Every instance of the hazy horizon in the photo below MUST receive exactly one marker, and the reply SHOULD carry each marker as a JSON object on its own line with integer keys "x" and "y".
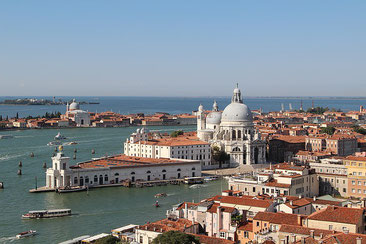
{"x": 188, "y": 48}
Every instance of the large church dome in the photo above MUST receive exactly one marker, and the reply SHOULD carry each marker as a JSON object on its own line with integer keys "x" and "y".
{"x": 213, "y": 118}
{"x": 237, "y": 111}
{"x": 74, "y": 105}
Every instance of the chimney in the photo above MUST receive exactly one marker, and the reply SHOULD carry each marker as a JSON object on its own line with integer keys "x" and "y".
{"x": 154, "y": 228}
{"x": 314, "y": 198}
{"x": 321, "y": 235}
{"x": 185, "y": 210}
{"x": 293, "y": 239}
{"x": 312, "y": 233}
{"x": 291, "y": 202}
{"x": 299, "y": 220}
{"x": 302, "y": 240}
{"x": 358, "y": 240}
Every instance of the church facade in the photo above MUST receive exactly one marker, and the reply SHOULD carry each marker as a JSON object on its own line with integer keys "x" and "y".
{"x": 232, "y": 130}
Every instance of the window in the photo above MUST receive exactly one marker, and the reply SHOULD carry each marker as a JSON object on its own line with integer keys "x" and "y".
{"x": 86, "y": 179}
{"x": 359, "y": 191}
{"x": 246, "y": 234}
{"x": 222, "y": 234}
{"x": 95, "y": 178}
{"x": 257, "y": 223}
{"x": 105, "y": 177}
{"x": 359, "y": 183}
{"x": 353, "y": 191}
{"x": 353, "y": 182}
{"x": 330, "y": 227}
{"x": 75, "y": 180}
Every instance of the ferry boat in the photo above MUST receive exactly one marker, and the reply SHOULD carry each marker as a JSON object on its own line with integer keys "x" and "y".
{"x": 40, "y": 214}
{"x": 59, "y": 137}
{"x": 6, "y": 136}
{"x": 26, "y": 234}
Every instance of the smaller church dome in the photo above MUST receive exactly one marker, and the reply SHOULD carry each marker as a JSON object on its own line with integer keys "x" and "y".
{"x": 213, "y": 118}
{"x": 74, "y": 105}
{"x": 237, "y": 112}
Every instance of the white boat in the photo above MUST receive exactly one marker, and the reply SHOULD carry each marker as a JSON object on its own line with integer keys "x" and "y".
{"x": 54, "y": 143}
{"x": 210, "y": 178}
{"x": 59, "y": 137}
{"x": 26, "y": 234}
{"x": 193, "y": 180}
{"x": 6, "y": 136}
{"x": 40, "y": 214}
{"x": 70, "y": 189}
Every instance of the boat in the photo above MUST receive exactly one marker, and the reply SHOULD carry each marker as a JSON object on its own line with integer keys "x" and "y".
{"x": 6, "y": 136}
{"x": 157, "y": 204}
{"x": 72, "y": 143}
{"x": 26, "y": 234}
{"x": 54, "y": 143}
{"x": 59, "y": 137}
{"x": 40, "y": 214}
{"x": 160, "y": 195}
{"x": 68, "y": 189}
{"x": 193, "y": 180}
{"x": 210, "y": 178}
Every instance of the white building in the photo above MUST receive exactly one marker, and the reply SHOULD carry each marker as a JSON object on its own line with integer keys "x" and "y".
{"x": 74, "y": 113}
{"x": 181, "y": 147}
{"x": 233, "y": 131}
{"x": 116, "y": 169}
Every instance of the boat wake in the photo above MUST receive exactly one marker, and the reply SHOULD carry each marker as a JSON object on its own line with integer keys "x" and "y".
{"x": 7, "y": 156}
{"x": 7, "y": 239}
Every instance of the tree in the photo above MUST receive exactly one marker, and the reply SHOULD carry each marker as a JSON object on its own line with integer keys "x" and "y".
{"x": 17, "y": 116}
{"x": 219, "y": 155}
{"x": 1, "y": 117}
{"x": 317, "y": 110}
{"x": 176, "y": 133}
{"x": 328, "y": 130}
{"x": 109, "y": 240}
{"x": 359, "y": 129}
{"x": 175, "y": 237}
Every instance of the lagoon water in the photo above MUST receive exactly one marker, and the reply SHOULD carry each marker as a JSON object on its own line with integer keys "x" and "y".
{"x": 98, "y": 211}
{"x": 176, "y": 105}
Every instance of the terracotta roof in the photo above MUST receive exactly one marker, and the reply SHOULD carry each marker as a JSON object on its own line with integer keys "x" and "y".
{"x": 248, "y": 226}
{"x": 165, "y": 225}
{"x": 338, "y": 214}
{"x": 278, "y": 218}
{"x": 298, "y": 203}
{"x": 354, "y": 158}
{"x": 344, "y": 238}
{"x": 302, "y": 230}
{"x": 122, "y": 160}
{"x": 243, "y": 201}
{"x": 215, "y": 206}
{"x": 274, "y": 183}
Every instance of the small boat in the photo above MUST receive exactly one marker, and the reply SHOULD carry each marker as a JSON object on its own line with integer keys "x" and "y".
{"x": 72, "y": 143}
{"x": 59, "y": 137}
{"x": 40, "y": 214}
{"x": 68, "y": 189}
{"x": 54, "y": 143}
{"x": 26, "y": 234}
{"x": 193, "y": 180}
{"x": 157, "y": 204}
{"x": 6, "y": 136}
{"x": 210, "y": 178}
{"x": 160, "y": 195}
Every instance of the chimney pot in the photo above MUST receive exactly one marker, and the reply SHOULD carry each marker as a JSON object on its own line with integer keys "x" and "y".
{"x": 358, "y": 240}
{"x": 312, "y": 233}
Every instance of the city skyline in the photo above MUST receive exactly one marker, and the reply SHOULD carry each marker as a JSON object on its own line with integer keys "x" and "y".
{"x": 89, "y": 48}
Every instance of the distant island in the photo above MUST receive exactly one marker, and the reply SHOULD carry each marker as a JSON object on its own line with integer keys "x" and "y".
{"x": 34, "y": 101}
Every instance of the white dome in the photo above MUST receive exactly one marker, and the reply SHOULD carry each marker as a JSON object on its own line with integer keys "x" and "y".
{"x": 213, "y": 118}
{"x": 74, "y": 105}
{"x": 237, "y": 112}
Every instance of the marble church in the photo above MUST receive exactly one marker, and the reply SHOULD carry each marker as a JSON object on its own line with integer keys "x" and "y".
{"x": 233, "y": 131}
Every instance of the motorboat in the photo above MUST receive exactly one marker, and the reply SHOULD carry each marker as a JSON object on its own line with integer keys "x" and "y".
{"x": 54, "y": 143}
{"x": 68, "y": 189}
{"x": 72, "y": 143}
{"x": 59, "y": 137}
{"x": 6, "y": 136}
{"x": 210, "y": 178}
{"x": 160, "y": 195}
{"x": 40, "y": 214}
{"x": 193, "y": 180}
{"x": 156, "y": 204}
{"x": 26, "y": 234}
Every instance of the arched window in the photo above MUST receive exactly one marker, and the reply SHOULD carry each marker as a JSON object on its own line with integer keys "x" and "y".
{"x": 236, "y": 149}
{"x": 148, "y": 172}
{"x": 178, "y": 170}
{"x": 86, "y": 179}
{"x": 105, "y": 177}
{"x": 132, "y": 173}
{"x": 75, "y": 180}
{"x": 233, "y": 134}
{"x": 116, "y": 174}
{"x": 95, "y": 178}
{"x": 164, "y": 171}
{"x": 193, "y": 168}
{"x": 239, "y": 134}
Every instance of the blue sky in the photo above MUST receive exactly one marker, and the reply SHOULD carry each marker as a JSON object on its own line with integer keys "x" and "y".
{"x": 182, "y": 48}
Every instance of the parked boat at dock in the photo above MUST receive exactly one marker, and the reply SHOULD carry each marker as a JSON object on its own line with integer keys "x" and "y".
{"x": 69, "y": 189}
{"x": 26, "y": 234}
{"x": 40, "y": 214}
{"x": 193, "y": 180}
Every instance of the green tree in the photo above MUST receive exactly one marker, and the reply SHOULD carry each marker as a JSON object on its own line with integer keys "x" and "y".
{"x": 17, "y": 116}
{"x": 328, "y": 130}
{"x": 1, "y": 117}
{"x": 175, "y": 237}
{"x": 176, "y": 133}
{"x": 317, "y": 110}
{"x": 109, "y": 240}
{"x": 359, "y": 129}
{"x": 219, "y": 155}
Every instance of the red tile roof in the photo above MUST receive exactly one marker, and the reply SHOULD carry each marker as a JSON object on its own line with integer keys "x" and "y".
{"x": 278, "y": 218}
{"x": 338, "y": 214}
{"x": 243, "y": 201}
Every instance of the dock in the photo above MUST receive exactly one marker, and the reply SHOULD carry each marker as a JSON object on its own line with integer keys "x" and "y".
{"x": 132, "y": 184}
